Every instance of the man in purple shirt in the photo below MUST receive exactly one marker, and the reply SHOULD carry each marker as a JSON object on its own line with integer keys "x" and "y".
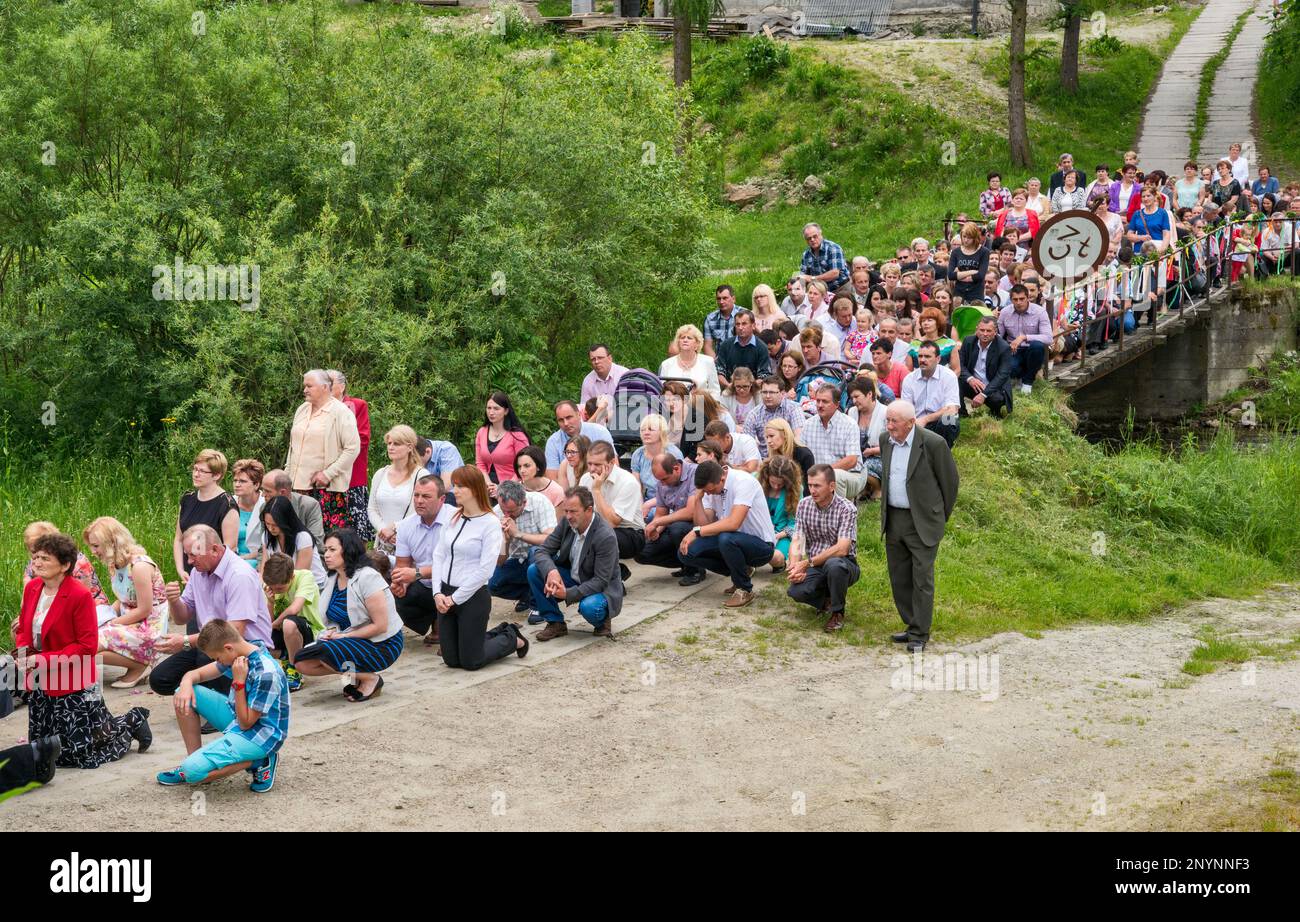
{"x": 604, "y": 374}
{"x": 221, "y": 587}
{"x": 1028, "y": 332}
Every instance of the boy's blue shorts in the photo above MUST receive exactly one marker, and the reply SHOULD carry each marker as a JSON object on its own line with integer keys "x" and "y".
{"x": 229, "y": 749}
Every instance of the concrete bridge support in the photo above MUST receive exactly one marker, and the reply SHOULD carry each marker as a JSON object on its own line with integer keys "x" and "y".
{"x": 1211, "y": 357}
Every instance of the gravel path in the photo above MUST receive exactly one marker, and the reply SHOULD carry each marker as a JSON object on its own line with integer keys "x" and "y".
{"x": 678, "y": 723}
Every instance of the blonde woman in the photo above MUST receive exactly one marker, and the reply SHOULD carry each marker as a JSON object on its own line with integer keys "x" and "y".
{"x": 207, "y": 504}
{"x": 767, "y": 314}
{"x": 654, "y": 442}
{"x": 690, "y": 362}
{"x": 781, "y": 441}
{"x": 393, "y": 486}
{"x": 140, "y": 611}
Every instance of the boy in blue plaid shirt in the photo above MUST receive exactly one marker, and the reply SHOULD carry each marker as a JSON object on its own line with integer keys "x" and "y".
{"x": 254, "y": 715}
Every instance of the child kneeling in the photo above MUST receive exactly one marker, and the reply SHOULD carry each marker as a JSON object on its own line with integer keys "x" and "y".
{"x": 254, "y": 714}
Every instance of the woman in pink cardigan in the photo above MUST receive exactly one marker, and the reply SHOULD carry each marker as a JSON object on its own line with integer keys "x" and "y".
{"x": 499, "y": 439}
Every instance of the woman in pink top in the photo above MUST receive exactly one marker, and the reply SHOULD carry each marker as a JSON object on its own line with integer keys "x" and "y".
{"x": 499, "y": 439}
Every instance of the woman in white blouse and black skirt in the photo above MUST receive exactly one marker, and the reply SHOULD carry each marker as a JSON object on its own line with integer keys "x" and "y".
{"x": 463, "y": 562}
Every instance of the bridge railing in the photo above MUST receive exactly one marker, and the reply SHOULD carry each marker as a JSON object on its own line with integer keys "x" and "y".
{"x": 1187, "y": 273}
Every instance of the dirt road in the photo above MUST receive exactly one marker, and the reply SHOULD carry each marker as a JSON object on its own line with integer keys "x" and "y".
{"x": 678, "y": 723}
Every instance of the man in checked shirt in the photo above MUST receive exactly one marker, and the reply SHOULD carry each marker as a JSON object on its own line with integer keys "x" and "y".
{"x": 822, "y": 575}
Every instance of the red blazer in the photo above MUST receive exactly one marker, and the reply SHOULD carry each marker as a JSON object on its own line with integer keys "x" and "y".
{"x": 69, "y": 638}
{"x": 503, "y": 459}
{"x": 361, "y": 410}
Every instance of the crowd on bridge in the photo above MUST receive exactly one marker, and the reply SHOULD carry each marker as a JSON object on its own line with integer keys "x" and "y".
{"x": 770, "y": 426}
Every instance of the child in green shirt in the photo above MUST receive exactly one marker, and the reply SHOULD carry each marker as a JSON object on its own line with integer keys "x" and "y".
{"x": 295, "y": 609}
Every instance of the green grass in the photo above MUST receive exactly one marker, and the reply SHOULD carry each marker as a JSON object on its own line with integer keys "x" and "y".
{"x": 1266, "y": 803}
{"x": 555, "y": 7}
{"x": 1050, "y": 531}
{"x": 1207, "y": 80}
{"x": 1214, "y": 650}
{"x": 1276, "y": 92}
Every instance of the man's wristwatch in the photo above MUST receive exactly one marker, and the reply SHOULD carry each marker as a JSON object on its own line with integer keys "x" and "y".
{"x": 185, "y": 641}
{"x": 696, "y": 529}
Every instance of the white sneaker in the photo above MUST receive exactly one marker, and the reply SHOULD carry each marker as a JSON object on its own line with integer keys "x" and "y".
{"x": 1026, "y": 388}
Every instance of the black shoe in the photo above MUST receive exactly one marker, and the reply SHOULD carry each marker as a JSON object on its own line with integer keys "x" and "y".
{"x": 523, "y": 605}
{"x": 692, "y": 579}
{"x": 900, "y": 637}
{"x": 142, "y": 734}
{"x": 677, "y": 574}
{"x": 916, "y": 646}
{"x": 46, "y": 752}
{"x": 624, "y": 572}
{"x": 520, "y": 652}
{"x": 208, "y": 728}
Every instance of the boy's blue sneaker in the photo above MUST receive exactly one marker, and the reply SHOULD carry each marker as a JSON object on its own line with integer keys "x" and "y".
{"x": 171, "y": 778}
{"x": 295, "y": 680}
{"x": 264, "y": 776}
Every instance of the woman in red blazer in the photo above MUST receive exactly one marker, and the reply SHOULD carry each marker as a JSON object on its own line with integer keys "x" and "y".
{"x": 501, "y": 437}
{"x": 358, "y": 496}
{"x": 57, "y": 639}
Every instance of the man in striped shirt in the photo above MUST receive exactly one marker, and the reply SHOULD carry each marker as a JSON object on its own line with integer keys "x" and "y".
{"x": 828, "y": 565}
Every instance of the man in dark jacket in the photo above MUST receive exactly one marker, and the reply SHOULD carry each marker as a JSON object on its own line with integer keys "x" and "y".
{"x": 985, "y": 376}
{"x": 577, "y": 564}
{"x": 919, "y": 489}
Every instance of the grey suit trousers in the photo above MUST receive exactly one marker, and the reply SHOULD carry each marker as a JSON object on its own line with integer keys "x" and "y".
{"x": 911, "y": 573}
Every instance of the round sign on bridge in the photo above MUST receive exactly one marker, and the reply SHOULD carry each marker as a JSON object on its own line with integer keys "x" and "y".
{"x": 1070, "y": 245}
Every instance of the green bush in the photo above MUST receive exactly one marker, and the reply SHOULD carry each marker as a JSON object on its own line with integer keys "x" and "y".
{"x": 764, "y": 57}
{"x": 438, "y": 215}
{"x": 1103, "y": 46}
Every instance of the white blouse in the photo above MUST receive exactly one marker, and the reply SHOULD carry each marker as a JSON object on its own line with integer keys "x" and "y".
{"x": 390, "y": 504}
{"x": 467, "y": 554}
{"x": 704, "y": 372}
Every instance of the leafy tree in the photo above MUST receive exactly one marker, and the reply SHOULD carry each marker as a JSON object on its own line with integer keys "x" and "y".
{"x": 438, "y": 215}
{"x": 689, "y": 15}
{"x": 1018, "y": 127}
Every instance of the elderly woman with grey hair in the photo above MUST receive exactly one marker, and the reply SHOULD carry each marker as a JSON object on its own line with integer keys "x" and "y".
{"x": 323, "y": 446}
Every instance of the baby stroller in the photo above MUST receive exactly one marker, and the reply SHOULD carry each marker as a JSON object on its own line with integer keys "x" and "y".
{"x": 639, "y": 394}
{"x": 836, "y": 373}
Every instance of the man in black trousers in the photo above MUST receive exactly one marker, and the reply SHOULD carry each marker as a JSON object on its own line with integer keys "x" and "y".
{"x": 985, "y": 376}
{"x": 918, "y": 490}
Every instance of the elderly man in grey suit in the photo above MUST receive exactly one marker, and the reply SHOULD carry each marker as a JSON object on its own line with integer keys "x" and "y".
{"x": 919, "y": 489}
{"x": 577, "y": 563}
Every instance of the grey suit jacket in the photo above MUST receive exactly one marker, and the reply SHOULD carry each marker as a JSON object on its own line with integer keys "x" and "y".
{"x": 596, "y": 572}
{"x": 931, "y": 483}
{"x": 308, "y": 510}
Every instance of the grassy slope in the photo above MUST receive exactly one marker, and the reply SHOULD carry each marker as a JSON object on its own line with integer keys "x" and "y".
{"x": 804, "y": 121}
{"x": 1276, "y": 114}
{"x": 1049, "y": 531}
